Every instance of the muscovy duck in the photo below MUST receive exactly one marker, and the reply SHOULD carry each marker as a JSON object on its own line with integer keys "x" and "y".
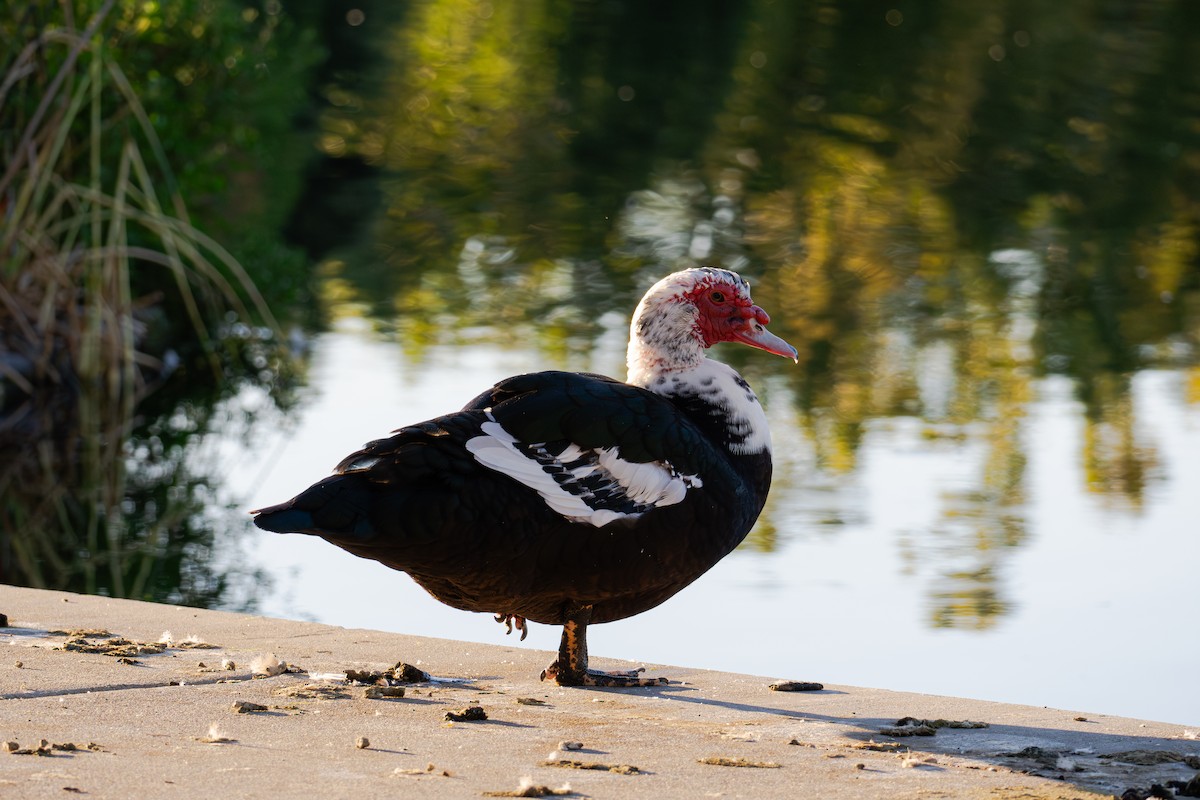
{"x": 571, "y": 499}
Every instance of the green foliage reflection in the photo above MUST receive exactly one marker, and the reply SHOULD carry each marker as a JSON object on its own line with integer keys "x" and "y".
{"x": 941, "y": 203}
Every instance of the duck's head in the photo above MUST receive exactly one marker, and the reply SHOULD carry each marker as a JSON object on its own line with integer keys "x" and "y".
{"x": 687, "y": 312}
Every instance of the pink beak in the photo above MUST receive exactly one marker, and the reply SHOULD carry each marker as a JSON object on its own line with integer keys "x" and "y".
{"x": 755, "y": 334}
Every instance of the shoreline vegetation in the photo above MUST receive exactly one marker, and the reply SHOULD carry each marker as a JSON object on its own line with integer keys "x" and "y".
{"x": 110, "y": 288}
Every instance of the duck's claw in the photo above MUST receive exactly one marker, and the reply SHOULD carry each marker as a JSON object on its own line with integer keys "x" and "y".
{"x": 513, "y": 621}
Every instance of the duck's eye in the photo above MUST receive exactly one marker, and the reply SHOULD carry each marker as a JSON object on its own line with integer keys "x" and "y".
{"x": 717, "y": 297}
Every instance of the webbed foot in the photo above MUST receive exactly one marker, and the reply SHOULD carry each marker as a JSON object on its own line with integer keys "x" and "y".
{"x": 596, "y": 677}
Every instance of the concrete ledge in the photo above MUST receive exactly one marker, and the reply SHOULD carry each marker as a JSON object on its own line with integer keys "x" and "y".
{"x": 148, "y": 722}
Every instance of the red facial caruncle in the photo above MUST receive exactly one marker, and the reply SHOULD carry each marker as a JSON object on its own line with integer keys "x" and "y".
{"x": 727, "y": 314}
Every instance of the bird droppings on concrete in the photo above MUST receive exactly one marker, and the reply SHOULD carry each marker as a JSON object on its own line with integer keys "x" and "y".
{"x": 189, "y": 642}
{"x": 881, "y": 747}
{"x": 246, "y": 707}
{"x": 911, "y": 726}
{"x": 402, "y": 672}
{"x": 796, "y": 686}
{"x": 102, "y": 641}
{"x": 1067, "y": 764}
{"x": 942, "y": 723}
{"x": 267, "y": 665}
{"x": 410, "y": 674}
{"x": 291, "y": 710}
{"x": 908, "y": 730}
{"x": 468, "y": 714}
{"x": 567, "y": 763}
{"x": 1148, "y": 758}
{"x": 1167, "y": 789}
{"x": 1115, "y": 770}
{"x": 82, "y": 633}
{"x": 557, "y": 753}
{"x": 110, "y": 645}
{"x": 1039, "y": 755}
{"x": 430, "y": 769}
{"x": 226, "y": 665}
{"x": 45, "y": 748}
{"x": 723, "y": 761}
{"x": 527, "y": 788}
{"x": 215, "y": 736}
{"x": 313, "y": 691}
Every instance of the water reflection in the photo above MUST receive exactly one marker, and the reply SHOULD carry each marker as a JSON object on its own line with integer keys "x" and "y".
{"x": 102, "y": 500}
{"x": 939, "y": 205}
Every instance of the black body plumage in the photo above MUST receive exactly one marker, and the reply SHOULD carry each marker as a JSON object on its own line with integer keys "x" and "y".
{"x": 480, "y": 540}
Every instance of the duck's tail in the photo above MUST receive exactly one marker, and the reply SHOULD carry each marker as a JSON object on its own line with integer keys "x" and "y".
{"x": 334, "y": 508}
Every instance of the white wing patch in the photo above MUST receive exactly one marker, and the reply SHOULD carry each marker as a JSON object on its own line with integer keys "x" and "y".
{"x": 595, "y": 486}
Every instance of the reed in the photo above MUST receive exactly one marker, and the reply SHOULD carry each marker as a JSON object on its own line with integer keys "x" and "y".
{"x": 88, "y": 213}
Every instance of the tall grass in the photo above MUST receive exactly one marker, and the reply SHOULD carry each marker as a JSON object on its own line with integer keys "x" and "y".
{"x": 89, "y": 217}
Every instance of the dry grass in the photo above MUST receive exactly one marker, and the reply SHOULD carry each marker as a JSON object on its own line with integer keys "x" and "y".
{"x": 76, "y": 233}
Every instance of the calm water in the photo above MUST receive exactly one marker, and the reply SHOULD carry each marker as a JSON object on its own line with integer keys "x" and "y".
{"x": 979, "y": 225}
{"x": 890, "y": 574}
